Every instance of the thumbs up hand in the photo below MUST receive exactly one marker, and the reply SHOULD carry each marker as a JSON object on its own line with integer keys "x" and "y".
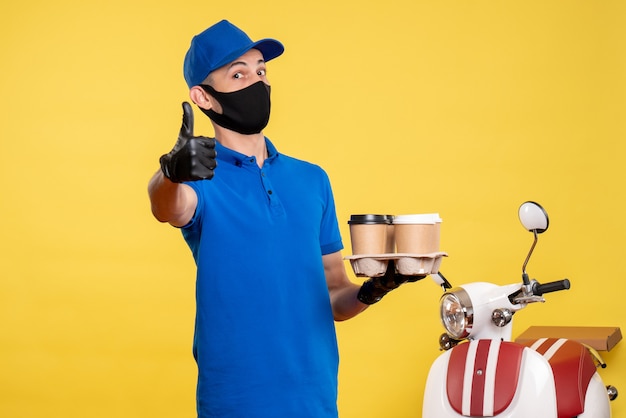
{"x": 193, "y": 157}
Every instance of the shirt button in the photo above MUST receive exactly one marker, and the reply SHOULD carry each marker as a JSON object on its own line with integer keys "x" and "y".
{"x": 269, "y": 192}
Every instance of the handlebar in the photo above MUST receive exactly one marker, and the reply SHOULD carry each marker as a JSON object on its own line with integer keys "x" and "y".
{"x": 533, "y": 291}
{"x": 540, "y": 289}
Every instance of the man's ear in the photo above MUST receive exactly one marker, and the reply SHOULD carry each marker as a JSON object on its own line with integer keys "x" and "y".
{"x": 200, "y": 97}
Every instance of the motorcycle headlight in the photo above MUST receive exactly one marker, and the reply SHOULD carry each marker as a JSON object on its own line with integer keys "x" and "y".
{"x": 457, "y": 313}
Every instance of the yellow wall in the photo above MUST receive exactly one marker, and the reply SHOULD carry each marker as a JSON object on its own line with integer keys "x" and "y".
{"x": 466, "y": 108}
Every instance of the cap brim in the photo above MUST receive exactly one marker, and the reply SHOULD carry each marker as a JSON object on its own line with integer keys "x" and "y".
{"x": 269, "y": 48}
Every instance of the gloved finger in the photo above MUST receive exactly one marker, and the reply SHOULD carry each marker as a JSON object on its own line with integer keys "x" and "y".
{"x": 186, "y": 129}
{"x": 202, "y": 173}
{"x": 391, "y": 269}
{"x": 206, "y": 147}
{"x": 207, "y": 161}
{"x": 201, "y": 151}
{"x": 207, "y": 143}
{"x": 413, "y": 279}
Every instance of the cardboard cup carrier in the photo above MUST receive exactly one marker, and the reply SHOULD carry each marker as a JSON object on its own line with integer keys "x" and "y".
{"x": 412, "y": 241}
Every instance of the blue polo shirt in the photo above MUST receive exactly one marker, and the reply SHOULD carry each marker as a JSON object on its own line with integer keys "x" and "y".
{"x": 265, "y": 338}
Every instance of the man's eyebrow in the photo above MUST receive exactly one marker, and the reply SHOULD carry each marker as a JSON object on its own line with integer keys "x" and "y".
{"x": 234, "y": 63}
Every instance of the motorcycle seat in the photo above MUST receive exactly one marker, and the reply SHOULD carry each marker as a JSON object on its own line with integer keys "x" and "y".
{"x": 487, "y": 384}
{"x": 573, "y": 369}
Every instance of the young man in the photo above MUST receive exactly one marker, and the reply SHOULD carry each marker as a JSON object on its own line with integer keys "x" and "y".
{"x": 264, "y": 235}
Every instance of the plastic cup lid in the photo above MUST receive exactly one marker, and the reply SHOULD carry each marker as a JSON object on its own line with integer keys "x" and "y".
{"x": 423, "y": 218}
{"x": 370, "y": 219}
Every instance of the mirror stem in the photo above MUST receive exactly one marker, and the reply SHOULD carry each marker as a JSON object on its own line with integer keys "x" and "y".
{"x": 524, "y": 275}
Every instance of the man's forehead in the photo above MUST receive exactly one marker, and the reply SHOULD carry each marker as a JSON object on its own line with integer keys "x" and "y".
{"x": 252, "y": 57}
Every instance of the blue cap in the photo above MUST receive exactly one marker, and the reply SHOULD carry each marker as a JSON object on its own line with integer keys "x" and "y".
{"x": 219, "y": 45}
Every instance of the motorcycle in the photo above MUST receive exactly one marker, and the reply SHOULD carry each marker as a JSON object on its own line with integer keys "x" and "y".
{"x": 483, "y": 373}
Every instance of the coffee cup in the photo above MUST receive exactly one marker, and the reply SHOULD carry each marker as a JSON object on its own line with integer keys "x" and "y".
{"x": 369, "y": 234}
{"x": 417, "y": 233}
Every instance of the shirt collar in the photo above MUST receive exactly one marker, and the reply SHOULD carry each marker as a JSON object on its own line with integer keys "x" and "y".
{"x": 233, "y": 157}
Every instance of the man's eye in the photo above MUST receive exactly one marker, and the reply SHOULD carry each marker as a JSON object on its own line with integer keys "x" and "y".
{"x": 261, "y": 72}
{"x": 237, "y": 75}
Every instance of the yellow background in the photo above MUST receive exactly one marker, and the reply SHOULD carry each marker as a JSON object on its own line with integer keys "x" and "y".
{"x": 466, "y": 108}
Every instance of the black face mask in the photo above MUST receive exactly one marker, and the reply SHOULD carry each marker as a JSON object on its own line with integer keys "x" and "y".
{"x": 246, "y": 111}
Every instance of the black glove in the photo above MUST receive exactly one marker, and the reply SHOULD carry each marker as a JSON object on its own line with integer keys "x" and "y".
{"x": 193, "y": 157}
{"x": 375, "y": 288}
